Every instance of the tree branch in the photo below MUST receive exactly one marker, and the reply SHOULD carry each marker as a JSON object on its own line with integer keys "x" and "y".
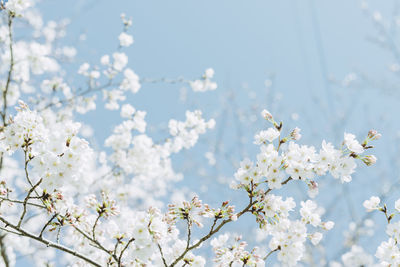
{"x": 49, "y": 243}
{"x": 213, "y": 231}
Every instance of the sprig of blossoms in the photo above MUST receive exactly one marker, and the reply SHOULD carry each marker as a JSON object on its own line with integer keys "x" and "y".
{"x": 233, "y": 252}
{"x": 186, "y": 211}
{"x": 288, "y": 236}
{"x": 388, "y": 252}
{"x": 205, "y": 83}
{"x": 276, "y": 165}
{"x": 186, "y": 133}
{"x": 225, "y": 211}
{"x": 25, "y": 129}
{"x": 17, "y": 6}
{"x": 105, "y": 208}
{"x": 125, "y": 39}
{"x": 300, "y": 162}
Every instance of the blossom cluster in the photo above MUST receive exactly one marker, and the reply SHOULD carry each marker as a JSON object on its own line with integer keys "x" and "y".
{"x": 204, "y": 84}
{"x": 234, "y": 253}
{"x": 388, "y": 251}
{"x": 57, "y": 156}
{"x": 300, "y": 162}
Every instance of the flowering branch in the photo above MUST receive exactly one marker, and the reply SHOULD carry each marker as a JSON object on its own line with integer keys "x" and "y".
{"x": 213, "y": 230}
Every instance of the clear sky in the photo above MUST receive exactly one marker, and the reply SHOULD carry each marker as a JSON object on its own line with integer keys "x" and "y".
{"x": 302, "y": 43}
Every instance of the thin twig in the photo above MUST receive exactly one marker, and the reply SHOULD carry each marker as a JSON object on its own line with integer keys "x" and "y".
{"x": 94, "y": 226}
{"x": 272, "y": 251}
{"x": 162, "y": 255}
{"x": 189, "y": 233}
{"x": 26, "y": 201}
{"x": 22, "y": 202}
{"x": 96, "y": 242}
{"x": 123, "y": 250}
{"x": 47, "y": 224}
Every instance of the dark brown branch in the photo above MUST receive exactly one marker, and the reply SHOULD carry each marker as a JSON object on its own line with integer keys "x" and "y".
{"x": 47, "y": 224}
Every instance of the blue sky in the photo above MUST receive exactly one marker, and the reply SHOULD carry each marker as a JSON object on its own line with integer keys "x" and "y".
{"x": 300, "y": 42}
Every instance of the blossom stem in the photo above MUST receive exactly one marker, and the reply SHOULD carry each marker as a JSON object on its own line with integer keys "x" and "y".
{"x": 189, "y": 233}
{"x": 21, "y": 202}
{"x": 123, "y": 250}
{"x": 26, "y": 201}
{"x": 47, "y": 224}
{"x": 162, "y": 255}
{"x": 96, "y": 242}
{"x": 272, "y": 251}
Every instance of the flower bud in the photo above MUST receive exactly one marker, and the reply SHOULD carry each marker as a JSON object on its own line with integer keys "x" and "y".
{"x": 374, "y": 135}
{"x": 369, "y": 160}
{"x": 327, "y": 225}
{"x": 316, "y": 238}
{"x": 295, "y": 134}
{"x": 313, "y": 189}
{"x": 266, "y": 115}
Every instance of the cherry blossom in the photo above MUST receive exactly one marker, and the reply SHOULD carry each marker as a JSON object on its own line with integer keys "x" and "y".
{"x": 65, "y": 198}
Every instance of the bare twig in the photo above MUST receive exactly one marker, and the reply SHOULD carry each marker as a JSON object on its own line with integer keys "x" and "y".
{"x": 123, "y": 250}
{"x": 162, "y": 255}
{"x": 272, "y": 251}
{"x": 96, "y": 242}
{"x": 189, "y": 233}
{"x": 47, "y": 224}
{"x": 26, "y": 201}
{"x": 22, "y": 202}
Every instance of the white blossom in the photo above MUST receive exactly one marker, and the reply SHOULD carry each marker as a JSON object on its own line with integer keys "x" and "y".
{"x": 125, "y": 39}
{"x": 372, "y": 203}
{"x": 269, "y": 135}
{"x": 352, "y": 144}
